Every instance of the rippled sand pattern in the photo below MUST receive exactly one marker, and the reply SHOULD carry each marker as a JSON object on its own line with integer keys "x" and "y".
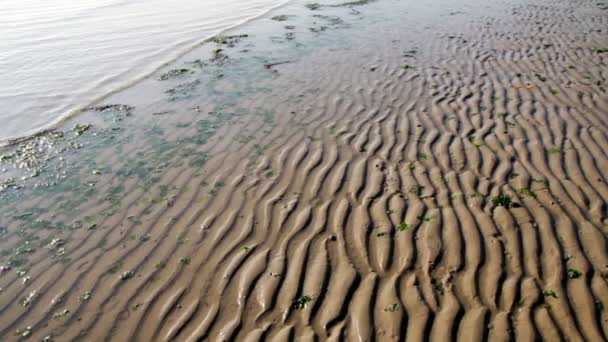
{"x": 364, "y": 210}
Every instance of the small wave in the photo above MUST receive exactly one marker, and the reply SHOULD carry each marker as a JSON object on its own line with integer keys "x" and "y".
{"x": 126, "y": 78}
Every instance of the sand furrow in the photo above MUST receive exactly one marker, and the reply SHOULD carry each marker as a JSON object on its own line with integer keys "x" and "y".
{"x": 348, "y": 192}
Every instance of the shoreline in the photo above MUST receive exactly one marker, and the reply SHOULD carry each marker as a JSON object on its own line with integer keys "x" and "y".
{"x": 98, "y": 99}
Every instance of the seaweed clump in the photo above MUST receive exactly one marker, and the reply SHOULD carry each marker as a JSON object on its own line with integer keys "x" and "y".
{"x": 230, "y": 41}
{"x": 502, "y": 201}
{"x": 281, "y": 17}
{"x": 173, "y": 74}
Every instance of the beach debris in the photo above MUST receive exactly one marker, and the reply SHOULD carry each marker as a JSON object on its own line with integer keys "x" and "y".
{"x": 302, "y": 302}
{"x": 171, "y": 200}
{"x": 55, "y": 243}
{"x": 410, "y": 53}
{"x": 471, "y": 139}
{"x": 443, "y": 179}
{"x": 502, "y": 201}
{"x": 80, "y": 129}
{"x": 313, "y": 6}
{"x": 165, "y": 112}
{"x": 331, "y": 20}
{"x": 230, "y": 41}
{"x": 43, "y": 152}
{"x": 185, "y": 260}
{"x": 182, "y": 240}
{"x": 352, "y": 3}
{"x": 183, "y": 90}
{"x": 127, "y": 275}
{"x": 549, "y": 293}
{"x": 425, "y": 218}
{"x": 86, "y": 296}
{"x": 404, "y": 226}
{"x": 174, "y": 74}
{"x": 416, "y": 190}
{"x": 116, "y": 267}
{"x": 8, "y": 184}
{"x": 25, "y": 332}
{"x": 218, "y": 56}
{"x": 56, "y": 246}
{"x": 527, "y": 192}
{"x": 269, "y": 66}
{"x": 216, "y": 186}
{"x": 140, "y": 237}
{"x": 119, "y": 108}
{"x": 437, "y": 286}
{"x": 556, "y": 150}
{"x": 540, "y": 77}
{"x": 6, "y": 156}
{"x": 60, "y": 314}
{"x": 28, "y": 299}
{"x": 198, "y": 63}
{"x": 24, "y": 248}
{"x": 244, "y": 139}
{"x": 600, "y": 50}
{"x": 47, "y": 338}
{"x": 523, "y": 86}
{"x": 281, "y": 17}
{"x": 34, "y": 153}
{"x": 544, "y": 182}
{"x": 573, "y": 273}
{"x": 392, "y": 307}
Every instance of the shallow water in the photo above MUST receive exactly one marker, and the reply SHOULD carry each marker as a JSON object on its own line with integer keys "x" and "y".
{"x": 58, "y": 56}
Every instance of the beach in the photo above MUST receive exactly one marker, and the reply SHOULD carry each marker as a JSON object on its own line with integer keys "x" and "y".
{"x": 335, "y": 171}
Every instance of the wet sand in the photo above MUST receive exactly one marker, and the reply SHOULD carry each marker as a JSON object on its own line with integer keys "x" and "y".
{"x": 363, "y": 171}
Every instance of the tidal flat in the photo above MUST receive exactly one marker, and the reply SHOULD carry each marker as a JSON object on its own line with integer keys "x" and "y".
{"x": 361, "y": 170}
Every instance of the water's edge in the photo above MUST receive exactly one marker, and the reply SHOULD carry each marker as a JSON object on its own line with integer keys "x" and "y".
{"x": 12, "y": 140}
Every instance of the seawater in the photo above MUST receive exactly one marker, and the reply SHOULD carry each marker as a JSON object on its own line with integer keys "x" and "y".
{"x": 57, "y": 56}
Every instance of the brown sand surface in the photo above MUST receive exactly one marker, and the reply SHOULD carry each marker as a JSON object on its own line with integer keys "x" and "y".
{"x": 363, "y": 171}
